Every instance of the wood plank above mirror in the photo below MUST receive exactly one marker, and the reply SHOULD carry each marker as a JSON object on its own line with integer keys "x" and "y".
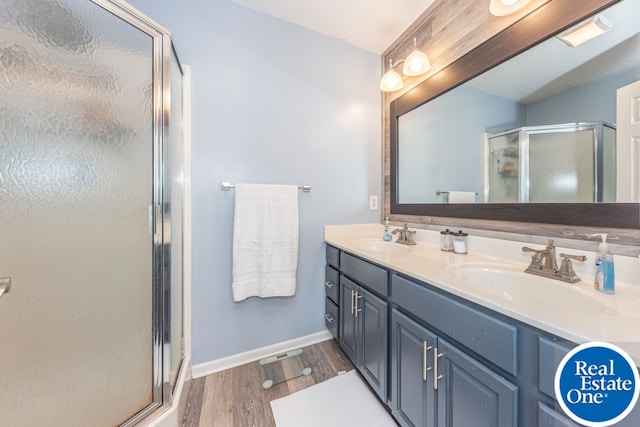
{"x": 485, "y": 49}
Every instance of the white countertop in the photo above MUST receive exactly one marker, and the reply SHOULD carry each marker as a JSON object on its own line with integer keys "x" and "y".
{"x": 615, "y": 318}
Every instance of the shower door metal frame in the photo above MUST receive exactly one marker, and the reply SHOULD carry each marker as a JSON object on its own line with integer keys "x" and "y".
{"x": 167, "y": 388}
{"x": 162, "y": 46}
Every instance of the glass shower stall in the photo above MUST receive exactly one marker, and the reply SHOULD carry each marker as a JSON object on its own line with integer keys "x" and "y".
{"x": 91, "y": 223}
{"x": 565, "y": 163}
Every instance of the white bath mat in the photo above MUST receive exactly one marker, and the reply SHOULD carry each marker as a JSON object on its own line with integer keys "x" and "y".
{"x": 343, "y": 400}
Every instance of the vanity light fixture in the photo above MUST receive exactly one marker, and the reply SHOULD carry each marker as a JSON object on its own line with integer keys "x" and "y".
{"x": 506, "y": 7}
{"x": 391, "y": 80}
{"x": 585, "y": 31}
{"x": 415, "y": 64}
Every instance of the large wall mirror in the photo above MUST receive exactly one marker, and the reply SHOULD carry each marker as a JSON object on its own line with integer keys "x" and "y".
{"x": 525, "y": 127}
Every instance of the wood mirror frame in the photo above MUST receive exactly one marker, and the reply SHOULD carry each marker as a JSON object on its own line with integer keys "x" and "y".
{"x": 544, "y": 22}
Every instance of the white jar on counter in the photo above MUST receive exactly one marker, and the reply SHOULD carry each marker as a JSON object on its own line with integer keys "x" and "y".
{"x": 460, "y": 242}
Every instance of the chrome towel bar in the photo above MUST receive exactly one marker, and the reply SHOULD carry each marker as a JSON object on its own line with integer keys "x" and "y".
{"x": 439, "y": 192}
{"x": 229, "y": 186}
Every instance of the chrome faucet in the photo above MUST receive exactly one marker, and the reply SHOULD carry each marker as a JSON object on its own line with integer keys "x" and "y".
{"x": 543, "y": 263}
{"x": 405, "y": 236}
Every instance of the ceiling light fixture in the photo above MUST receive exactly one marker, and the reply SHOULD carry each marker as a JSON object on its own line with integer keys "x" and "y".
{"x": 415, "y": 64}
{"x": 585, "y": 31}
{"x": 506, "y": 7}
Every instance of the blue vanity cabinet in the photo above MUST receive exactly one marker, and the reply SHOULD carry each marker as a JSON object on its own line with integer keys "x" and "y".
{"x": 348, "y": 324}
{"x": 551, "y": 351}
{"x": 363, "y": 333}
{"x": 494, "y": 371}
{"x": 332, "y": 291}
{"x": 373, "y": 338}
{"x": 471, "y": 394}
{"x": 332, "y": 300}
{"x": 413, "y": 397}
{"x": 433, "y": 383}
{"x": 331, "y": 317}
{"x": 363, "y": 314}
{"x": 548, "y": 417}
{"x": 332, "y": 256}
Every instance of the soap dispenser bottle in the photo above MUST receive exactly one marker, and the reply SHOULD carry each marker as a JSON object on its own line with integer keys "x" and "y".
{"x": 387, "y": 234}
{"x": 605, "y": 272}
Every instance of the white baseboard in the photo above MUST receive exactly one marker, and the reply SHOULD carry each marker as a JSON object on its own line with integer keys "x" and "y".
{"x": 218, "y": 365}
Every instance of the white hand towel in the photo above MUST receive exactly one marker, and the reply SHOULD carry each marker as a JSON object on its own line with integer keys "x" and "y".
{"x": 462, "y": 197}
{"x": 265, "y": 241}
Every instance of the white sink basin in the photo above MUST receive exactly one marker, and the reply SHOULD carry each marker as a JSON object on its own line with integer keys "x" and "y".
{"x": 512, "y": 286}
{"x": 382, "y": 246}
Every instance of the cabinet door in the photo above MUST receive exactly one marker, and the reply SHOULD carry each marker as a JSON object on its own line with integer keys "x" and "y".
{"x": 548, "y": 417}
{"x": 372, "y": 315}
{"x": 412, "y": 394}
{"x": 348, "y": 325}
{"x": 470, "y": 394}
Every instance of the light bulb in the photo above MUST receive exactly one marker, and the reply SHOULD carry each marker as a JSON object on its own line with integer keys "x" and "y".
{"x": 416, "y": 63}
{"x": 391, "y": 81}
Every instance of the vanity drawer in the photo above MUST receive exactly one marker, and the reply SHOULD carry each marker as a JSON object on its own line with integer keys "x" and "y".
{"x": 331, "y": 283}
{"x": 550, "y": 354}
{"x": 333, "y": 256}
{"x": 331, "y": 317}
{"x": 367, "y": 274}
{"x": 488, "y": 336}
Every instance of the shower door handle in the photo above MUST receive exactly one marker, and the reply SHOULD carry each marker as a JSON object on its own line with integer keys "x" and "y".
{"x": 5, "y": 285}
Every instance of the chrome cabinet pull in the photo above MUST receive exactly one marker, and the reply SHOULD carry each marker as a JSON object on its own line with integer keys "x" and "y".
{"x": 425, "y": 351}
{"x": 5, "y": 285}
{"x": 329, "y": 317}
{"x": 352, "y": 298}
{"x": 436, "y": 377}
{"x": 424, "y": 360}
{"x": 329, "y": 284}
{"x": 357, "y": 309}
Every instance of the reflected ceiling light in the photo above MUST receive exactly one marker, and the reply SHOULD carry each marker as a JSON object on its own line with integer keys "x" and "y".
{"x": 391, "y": 81}
{"x": 585, "y": 31}
{"x": 416, "y": 63}
{"x": 506, "y": 7}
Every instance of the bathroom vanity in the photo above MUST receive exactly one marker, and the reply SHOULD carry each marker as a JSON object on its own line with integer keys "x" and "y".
{"x": 439, "y": 349}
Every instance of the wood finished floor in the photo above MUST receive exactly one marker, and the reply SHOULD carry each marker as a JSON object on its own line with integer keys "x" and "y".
{"x": 235, "y": 397}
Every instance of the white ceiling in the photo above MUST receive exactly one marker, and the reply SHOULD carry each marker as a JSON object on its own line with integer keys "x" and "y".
{"x": 374, "y": 25}
{"x": 369, "y": 24}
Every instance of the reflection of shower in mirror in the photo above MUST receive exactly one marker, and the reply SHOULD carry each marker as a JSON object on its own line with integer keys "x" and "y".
{"x": 574, "y": 162}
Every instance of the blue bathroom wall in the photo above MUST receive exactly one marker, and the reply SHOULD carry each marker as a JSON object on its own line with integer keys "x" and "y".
{"x": 272, "y": 103}
{"x": 449, "y": 130}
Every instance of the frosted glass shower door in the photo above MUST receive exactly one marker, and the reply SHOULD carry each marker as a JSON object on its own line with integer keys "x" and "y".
{"x": 561, "y": 166}
{"x": 76, "y": 187}
{"x": 502, "y": 168}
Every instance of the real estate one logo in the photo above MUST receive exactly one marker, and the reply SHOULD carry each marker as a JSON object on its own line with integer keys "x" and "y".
{"x": 597, "y": 384}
